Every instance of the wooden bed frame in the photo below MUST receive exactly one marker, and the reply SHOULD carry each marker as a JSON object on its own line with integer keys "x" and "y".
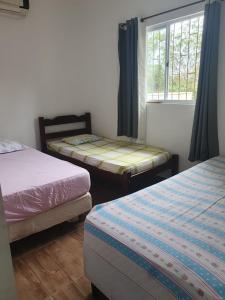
{"x": 126, "y": 180}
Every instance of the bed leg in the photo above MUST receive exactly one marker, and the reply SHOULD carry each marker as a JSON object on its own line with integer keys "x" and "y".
{"x": 175, "y": 165}
{"x": 96, "y": 293}
{"x": 126, "y": 183}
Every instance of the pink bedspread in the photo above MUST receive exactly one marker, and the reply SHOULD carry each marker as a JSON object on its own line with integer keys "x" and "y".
{"x": 33, "y": 182}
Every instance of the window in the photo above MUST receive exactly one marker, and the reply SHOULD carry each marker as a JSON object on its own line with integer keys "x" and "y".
{"x": 13, "y": 5}
{"x": 172, "y": 59}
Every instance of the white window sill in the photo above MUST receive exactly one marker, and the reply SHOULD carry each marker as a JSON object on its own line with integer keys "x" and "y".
{"x": 169, "y": 102}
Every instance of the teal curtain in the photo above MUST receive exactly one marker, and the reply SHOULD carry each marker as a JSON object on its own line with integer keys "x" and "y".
{"x": 204, "y": 142}
{"x": 128, "y": 85}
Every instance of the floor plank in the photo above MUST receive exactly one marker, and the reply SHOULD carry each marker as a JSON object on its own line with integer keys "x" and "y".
{"x": 71, "y": 264}
{"x": 69, "y": 292}
{"x": 47, "y": 270}
{"x": 29, "y": 286}
{"x": 84, "y": 286}
{"x": 52, "y": 269}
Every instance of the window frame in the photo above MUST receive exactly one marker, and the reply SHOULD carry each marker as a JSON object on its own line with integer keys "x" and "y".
{"x": 166, "y": 24}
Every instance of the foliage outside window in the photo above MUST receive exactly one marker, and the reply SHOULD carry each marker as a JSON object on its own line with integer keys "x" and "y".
{"x": 173, "y": 58}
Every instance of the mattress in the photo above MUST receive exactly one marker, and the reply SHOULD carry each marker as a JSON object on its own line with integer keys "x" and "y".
{"x": 33, "y": 182}
{"x": 110, "y": 280}
{"x": 168, "y": 239}
{"x": 117, "y": 157}
{"x": 67, "y": 211}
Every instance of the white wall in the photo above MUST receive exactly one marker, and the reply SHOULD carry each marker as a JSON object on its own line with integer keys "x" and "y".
{"x": 62, "y": 58}
{"x": 169, "y": 126}
{"x": 38, "y": 67}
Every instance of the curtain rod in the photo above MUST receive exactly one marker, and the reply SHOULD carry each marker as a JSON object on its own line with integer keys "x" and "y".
{"x": 173, "y": 9}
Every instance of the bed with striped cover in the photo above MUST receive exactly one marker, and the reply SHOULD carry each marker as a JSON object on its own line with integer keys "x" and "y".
{"x": 173, "y": 232}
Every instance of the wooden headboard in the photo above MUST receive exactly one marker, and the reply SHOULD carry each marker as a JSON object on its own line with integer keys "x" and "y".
{"x": 62, "y": 120}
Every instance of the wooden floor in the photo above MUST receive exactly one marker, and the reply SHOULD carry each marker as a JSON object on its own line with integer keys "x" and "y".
{"x": 49, "y": 265}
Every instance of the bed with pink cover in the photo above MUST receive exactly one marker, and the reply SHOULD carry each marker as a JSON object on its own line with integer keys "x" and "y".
{"x": 40, "y": 191}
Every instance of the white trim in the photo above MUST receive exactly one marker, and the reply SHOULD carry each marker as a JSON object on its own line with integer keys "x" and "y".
{"x": 180, "y": 102}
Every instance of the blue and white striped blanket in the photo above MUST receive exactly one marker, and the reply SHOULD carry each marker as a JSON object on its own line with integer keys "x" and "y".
{"x": 174, "y": 231}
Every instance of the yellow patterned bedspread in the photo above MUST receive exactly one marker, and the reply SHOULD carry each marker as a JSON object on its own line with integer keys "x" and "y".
{"x": 118, "y": 157}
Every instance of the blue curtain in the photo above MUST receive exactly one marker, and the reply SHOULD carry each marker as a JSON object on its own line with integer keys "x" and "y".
{"x": 128, "y": 85}
{"x": 204, "y": 142}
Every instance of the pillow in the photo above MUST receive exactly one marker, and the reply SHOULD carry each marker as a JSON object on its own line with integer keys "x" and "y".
{"x": 7, "y": 146}
{"x": 81, "y": 139}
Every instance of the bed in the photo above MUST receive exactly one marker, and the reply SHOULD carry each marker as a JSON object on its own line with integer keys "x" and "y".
{"x": 40, "y": 191}
{"x": 163, "y": 242}
{"x": 116, "y": 161}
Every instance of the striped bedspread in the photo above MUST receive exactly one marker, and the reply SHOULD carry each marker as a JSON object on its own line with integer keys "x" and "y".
{"x": 173, "y": 231}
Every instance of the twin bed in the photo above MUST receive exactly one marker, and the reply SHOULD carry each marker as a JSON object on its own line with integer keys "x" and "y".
{"x": 40, "y": 191}
{"x": 163, "y": 242}
{"x": 124, "y": 163}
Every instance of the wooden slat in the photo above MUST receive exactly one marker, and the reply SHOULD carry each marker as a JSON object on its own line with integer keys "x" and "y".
{"x": 69, "y": 119}
{"x": 59, "y": 134}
